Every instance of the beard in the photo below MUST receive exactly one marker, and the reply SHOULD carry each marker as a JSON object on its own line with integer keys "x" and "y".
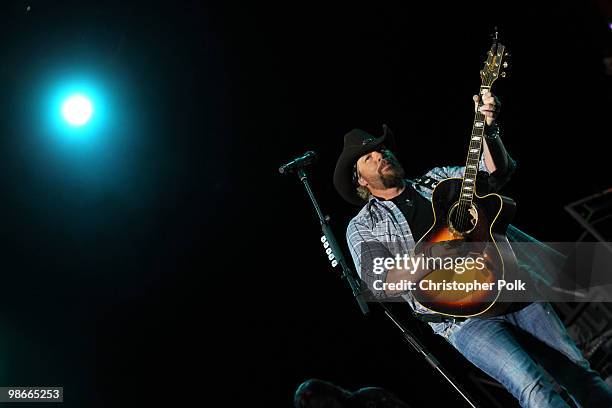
{"x": 394, "y": 176}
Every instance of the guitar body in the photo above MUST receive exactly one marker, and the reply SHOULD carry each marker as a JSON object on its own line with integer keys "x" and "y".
{"x": 479, "y": 229}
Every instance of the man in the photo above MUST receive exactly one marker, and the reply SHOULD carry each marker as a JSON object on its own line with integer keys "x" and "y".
{"x": 518, "y": 348}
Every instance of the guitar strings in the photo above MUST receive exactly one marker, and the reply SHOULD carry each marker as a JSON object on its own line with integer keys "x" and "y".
{"x": 464, "y": 206}
{"x": 463, "y": 209}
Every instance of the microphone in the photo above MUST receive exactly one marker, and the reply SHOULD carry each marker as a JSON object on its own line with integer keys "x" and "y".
{"x": 298, "y": 163}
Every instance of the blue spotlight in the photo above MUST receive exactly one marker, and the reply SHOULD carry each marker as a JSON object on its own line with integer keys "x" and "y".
{"x": 77, "y": 110}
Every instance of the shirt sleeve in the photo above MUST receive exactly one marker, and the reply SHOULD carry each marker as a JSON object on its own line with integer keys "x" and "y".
{"x": 505, "y": 165}
{"x": 368, "y": 254}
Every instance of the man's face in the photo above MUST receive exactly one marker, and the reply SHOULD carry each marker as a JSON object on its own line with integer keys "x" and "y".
{"x": 380, "y": 170}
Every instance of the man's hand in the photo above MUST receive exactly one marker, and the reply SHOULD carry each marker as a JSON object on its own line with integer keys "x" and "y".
{"x": 490, "y": 106}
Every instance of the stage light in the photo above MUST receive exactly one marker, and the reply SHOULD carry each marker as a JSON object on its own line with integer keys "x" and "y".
{"x": 77, "y": 110}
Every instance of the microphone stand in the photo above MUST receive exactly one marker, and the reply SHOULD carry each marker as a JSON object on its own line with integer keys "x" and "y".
{"x": 336, "y": 251}
{"x": 357, "y": 289}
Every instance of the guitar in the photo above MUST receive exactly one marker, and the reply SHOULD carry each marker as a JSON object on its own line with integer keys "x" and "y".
{"x": 476, "y": 224}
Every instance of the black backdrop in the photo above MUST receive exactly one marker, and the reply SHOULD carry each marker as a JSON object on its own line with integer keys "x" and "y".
{"x": 200, "y": 264}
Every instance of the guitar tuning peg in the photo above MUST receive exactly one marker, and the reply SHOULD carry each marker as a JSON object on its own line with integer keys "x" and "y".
{"x": 334, "y": 263}
{"x": 325, "y": 245}
{"x": 503, "y": 75}
{"x": 323, "y": 239}
{"x": 505, "y": 65}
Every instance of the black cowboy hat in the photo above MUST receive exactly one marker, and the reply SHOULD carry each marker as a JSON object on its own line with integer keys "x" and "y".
{"x": 357, "y": 142}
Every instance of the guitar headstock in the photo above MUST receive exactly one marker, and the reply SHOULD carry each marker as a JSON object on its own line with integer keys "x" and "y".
{"x": 497, "y": 61}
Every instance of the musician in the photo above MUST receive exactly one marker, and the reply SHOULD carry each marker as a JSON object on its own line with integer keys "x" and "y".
{"x": 396, "y": 212}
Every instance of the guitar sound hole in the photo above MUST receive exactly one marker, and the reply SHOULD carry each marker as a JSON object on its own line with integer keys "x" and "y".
{"x": 463, "y": 219}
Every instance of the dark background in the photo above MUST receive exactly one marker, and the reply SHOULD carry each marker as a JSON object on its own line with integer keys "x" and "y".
{"x": 176, "y": 256}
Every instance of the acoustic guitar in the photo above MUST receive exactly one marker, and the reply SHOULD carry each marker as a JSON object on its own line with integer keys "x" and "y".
{"x": 470, "y": 226}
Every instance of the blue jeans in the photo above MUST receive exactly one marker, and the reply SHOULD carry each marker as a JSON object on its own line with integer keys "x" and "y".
{"x": 519, "y": 349}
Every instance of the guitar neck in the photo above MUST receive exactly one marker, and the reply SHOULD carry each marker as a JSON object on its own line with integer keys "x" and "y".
{"x": 492, "y": 70}
{"x": 473, "y": 157}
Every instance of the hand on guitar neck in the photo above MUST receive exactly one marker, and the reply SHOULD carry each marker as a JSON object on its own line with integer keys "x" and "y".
{"x": 489, "y": 107}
